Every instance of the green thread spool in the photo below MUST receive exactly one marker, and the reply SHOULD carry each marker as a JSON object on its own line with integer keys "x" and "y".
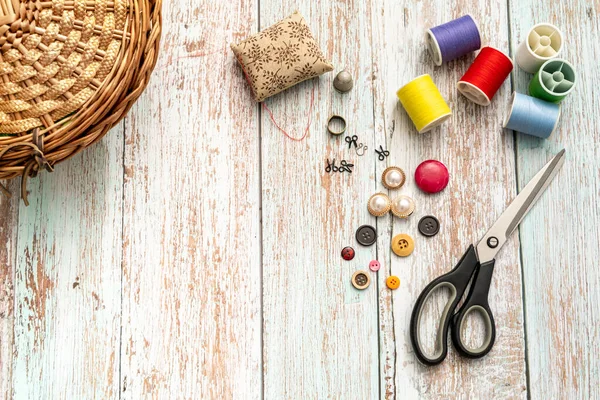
{"x": 554, "y": 81}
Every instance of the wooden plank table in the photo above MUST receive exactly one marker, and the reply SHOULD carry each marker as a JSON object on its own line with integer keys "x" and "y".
{"x": 194, "y": 251}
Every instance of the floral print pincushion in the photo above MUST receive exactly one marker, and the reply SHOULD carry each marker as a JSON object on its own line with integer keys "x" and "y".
{"x": 280, "y": 57}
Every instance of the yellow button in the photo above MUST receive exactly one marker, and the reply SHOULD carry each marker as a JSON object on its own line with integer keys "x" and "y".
{"x": 403, "y": 245}
{"x": 393, "y": 282}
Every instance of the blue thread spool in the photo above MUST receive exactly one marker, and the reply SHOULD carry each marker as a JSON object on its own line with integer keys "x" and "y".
{"x": 453, "y": 39}
{"x": 532, "y": 116}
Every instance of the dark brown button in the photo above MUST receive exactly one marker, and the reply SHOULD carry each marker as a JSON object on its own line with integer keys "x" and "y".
{"x": 429, "y": 225}
{"x": 366, "y": 235}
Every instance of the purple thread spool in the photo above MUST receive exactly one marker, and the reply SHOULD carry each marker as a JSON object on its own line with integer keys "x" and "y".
{"x": 453, "y": 39}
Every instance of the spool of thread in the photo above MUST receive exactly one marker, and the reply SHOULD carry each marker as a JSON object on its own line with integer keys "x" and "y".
{"x": 554, "y": 81}
{"x": 423, "y": 103}
{"x": 453, "y": 39}
{"x": 484, "y": 77}
{"x": 532, "y": 116}
{"x": 543, "y": 42}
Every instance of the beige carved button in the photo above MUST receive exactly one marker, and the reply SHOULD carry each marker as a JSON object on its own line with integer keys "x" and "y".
{"x": 361, "y": 280}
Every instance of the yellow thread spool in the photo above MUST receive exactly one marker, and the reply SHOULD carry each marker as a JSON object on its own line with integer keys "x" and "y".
{"x": 423, "y": 103}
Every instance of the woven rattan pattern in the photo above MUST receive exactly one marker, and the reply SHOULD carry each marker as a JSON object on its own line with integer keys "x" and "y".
{"x": 69, "y": 71}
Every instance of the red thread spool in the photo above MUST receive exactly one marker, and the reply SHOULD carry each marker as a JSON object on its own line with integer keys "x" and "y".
{"x": 485, "y": 76}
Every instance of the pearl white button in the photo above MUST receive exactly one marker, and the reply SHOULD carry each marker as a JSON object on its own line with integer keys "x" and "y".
{"x": 379, "y": 204}
{"x": 403, "y": 206}
{"x": 393, "y": 178}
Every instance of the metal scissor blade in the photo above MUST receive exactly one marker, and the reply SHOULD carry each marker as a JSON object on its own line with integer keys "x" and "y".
{"x": 493, "y": 240}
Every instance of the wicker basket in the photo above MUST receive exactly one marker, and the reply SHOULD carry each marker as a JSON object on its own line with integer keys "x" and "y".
{"x": 70, "y": 70}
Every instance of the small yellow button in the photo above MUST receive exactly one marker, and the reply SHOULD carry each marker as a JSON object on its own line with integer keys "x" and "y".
{"x": 393, "y": 282}
{"x": 403, "y": 245}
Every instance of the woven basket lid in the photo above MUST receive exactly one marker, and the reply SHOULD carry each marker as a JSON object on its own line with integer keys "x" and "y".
{"x": 66, "y": 66}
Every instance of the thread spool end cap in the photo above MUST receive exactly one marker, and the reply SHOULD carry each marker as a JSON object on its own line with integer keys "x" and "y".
{"x": 473, "y": 93}
{"x": 434, "y": 48}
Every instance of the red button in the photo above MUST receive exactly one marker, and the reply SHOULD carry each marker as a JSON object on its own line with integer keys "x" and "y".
{"x": 432, "y": 176}
{"x": 348, "y": 253}
{"x": 374, "y": 265}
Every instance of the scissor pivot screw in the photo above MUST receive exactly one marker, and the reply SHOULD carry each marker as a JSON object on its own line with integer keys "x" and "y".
{"x": 492, "y": 242}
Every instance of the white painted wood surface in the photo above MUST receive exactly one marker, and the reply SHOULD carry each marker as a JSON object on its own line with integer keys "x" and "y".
{"x": 68, "y": 279}
{"x": 561, "y": 237}
{"x": 480, "y": 159}
{"x": 197, "y": 254}
{"x": 8, "y": 243}
{"x": 320, "y": 335}
{"x": 191, "y": 254}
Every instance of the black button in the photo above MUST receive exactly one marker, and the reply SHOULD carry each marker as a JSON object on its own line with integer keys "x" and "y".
{"x": 366, "y": 235}
{"x": 429, "y": 225}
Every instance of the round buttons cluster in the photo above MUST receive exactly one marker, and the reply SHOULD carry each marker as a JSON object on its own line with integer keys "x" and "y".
{"x": 431, "y": 176}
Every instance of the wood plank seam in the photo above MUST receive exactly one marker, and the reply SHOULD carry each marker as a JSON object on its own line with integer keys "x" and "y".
{"x": 511, "y": 53}
{"x": 121, "y": 384}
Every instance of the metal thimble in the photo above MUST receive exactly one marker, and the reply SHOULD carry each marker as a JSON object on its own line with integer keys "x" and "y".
{"x": 343, "y": 81}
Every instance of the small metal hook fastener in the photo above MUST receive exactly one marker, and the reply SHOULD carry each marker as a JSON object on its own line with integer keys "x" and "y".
{"x": 361, "y": 146}
{"x": 331, "y": 167}
{"x": 345, "y": 166}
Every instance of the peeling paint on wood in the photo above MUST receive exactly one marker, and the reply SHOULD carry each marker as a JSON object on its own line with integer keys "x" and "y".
{"x": 67, "y": 337}
{"x": 195, "y": 251}
{"x": 191, "y": 271}
{"x": 316, "y": 342}
{"x": 8, "y": 243}
{"x": 466, "y": 208}
{"x": 561, "y": 236}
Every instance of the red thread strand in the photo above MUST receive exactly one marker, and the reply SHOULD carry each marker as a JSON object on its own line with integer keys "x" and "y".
{"x": 488, "y": 71}
{"x": 309, "y": 115}
{"x": 312, "y": 102}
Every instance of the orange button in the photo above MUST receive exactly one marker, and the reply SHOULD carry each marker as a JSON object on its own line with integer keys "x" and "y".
{"x": 393, "y": 282}
{"x": 403, "y": 245}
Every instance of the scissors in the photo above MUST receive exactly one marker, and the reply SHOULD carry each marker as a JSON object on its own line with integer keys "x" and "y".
{"x": 345, "y": 166}
{"x": 477, "y": 263}
{"x": 351, "y": 140}
{"x": 382, "y": 153}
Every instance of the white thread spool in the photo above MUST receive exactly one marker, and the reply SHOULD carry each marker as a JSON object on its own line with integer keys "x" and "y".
{"x": 543, "y": 42}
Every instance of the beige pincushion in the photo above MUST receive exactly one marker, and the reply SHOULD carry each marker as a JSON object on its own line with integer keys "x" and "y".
{"x": 280, "y": 56}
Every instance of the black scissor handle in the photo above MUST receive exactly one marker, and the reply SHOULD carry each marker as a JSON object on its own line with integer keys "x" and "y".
{"x": 476, "y": 301}
{"x": 455, "y": 280}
